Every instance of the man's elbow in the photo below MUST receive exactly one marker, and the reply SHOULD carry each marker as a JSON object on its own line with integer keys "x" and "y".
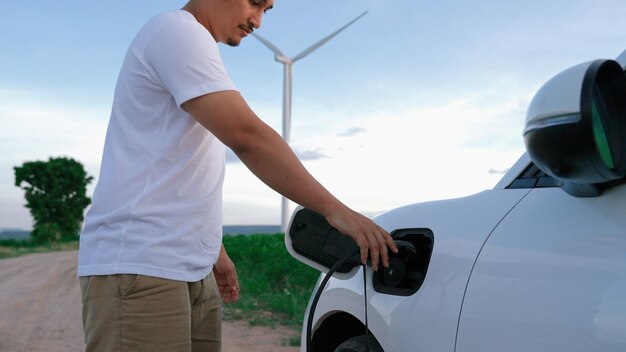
{"x": 241, "y": 142}
{"x": 253, "y": 139}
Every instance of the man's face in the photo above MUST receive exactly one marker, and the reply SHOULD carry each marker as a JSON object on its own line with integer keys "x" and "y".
{"x": 240, "y": 18}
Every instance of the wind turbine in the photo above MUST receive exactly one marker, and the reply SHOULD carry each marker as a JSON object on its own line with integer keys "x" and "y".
{"x": 287, "y": 63}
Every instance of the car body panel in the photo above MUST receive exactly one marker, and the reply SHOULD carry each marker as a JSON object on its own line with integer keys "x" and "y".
{"x": 551, "y": 277}
{"x": 460, "y": 227}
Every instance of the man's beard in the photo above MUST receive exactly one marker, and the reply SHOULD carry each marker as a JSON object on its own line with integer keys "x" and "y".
{"x": 232, "y": 42}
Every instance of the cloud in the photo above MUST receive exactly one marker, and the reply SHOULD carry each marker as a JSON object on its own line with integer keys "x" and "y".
{"x": 498, "y": 172}
{"x": 351, "y": 132}
{"x": 420, "y": 152}
{"x": 308, "y": 155}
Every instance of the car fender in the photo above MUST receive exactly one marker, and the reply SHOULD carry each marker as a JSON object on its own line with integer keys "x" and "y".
{"x": 460, "y": 228}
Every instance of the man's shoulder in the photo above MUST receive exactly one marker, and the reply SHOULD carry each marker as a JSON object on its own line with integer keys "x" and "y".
{"x": 178, "y": 22}
{"x": 177, "y": 18}
{"x": 170, "y": 27}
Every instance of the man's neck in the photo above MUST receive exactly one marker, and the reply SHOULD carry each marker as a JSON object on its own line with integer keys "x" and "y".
{"x": 200, "y": 11}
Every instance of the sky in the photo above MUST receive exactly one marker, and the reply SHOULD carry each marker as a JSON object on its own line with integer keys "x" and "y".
{"x": 418, "y": 100}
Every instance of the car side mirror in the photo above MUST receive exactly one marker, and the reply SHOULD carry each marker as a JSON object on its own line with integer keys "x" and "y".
{"x": 576, "y": 127}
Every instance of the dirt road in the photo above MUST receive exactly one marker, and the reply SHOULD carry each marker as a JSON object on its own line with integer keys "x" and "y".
{"x": 40, "y": 310}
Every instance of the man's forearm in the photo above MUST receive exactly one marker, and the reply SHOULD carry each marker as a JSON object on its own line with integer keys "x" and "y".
{"x": 268, "y": 156}
{"x": 261, "y": 149}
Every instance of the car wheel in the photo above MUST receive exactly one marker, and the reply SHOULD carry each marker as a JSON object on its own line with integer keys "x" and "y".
{"x": 357, "y": 344}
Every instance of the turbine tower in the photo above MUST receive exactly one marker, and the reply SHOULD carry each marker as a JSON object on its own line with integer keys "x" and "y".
{"x": 287, "y": 63}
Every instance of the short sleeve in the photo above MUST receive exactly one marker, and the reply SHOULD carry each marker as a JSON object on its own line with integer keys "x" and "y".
{"x": 185, "y": 59}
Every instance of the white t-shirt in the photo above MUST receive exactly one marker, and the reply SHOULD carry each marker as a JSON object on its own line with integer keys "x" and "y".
{"x": 157, "y": 207}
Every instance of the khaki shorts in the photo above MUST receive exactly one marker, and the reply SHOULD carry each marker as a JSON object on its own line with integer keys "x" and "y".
{"x": 141, "y": 313}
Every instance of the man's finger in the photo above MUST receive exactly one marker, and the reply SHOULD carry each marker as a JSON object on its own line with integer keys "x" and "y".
{"x": 228, "y": 296}
{"x": 233, "y": 282}
{"x": 374, "y": 250}
{"x": 363, "y": 254}
{"x": 388, "y": 239}
{"x": 235, "y": 293}
{"x": 382, "y": 245}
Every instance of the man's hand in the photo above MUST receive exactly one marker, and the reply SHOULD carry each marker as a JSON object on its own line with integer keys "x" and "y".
{"x": 226, "y": 277}
{"x": 366, "y": 234}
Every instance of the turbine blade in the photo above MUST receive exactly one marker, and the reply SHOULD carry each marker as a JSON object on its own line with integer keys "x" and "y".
{"x": 323, "y": 41}
{"x": 268, "y": 44}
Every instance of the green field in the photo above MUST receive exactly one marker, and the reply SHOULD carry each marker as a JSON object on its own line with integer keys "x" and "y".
{"x": 275, "y": 288}
{"x": 14, "y": 248}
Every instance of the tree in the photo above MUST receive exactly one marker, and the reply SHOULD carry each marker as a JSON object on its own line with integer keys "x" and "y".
{"x": 56, "y": 196}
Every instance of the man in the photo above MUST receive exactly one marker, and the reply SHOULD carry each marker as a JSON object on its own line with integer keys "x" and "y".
{"x": 150, "y": 253}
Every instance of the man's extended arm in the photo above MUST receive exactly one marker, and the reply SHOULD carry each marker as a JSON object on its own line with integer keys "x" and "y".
{"x": 263, "y": 151}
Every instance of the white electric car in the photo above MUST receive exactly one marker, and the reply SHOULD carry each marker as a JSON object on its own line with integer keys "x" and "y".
{"x": 538, "y": 263}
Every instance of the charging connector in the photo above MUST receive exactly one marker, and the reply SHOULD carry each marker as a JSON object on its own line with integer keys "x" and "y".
{"x": 314, "y": 242}
{"x": 312, "y": 237}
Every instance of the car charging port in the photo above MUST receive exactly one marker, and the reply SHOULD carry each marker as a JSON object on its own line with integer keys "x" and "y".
{"x": 318, "y": 244}
{"x": 407, "y": 268}
{"x": 313, "y": 241}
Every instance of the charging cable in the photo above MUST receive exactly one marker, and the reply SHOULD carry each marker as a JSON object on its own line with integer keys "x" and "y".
{"x": 354, "y": 258}
{"x": 367, "y": 346}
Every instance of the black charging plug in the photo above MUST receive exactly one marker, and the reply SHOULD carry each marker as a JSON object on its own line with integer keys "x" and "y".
{"x": 314, "y": 238}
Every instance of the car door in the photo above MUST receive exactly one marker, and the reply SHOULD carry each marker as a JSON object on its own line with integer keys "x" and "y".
{"x": 551, "y": 277}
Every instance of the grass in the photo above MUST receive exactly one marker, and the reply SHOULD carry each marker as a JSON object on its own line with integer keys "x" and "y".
{"x": 274, "y": 287}
{"x": 15, "y": 248}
